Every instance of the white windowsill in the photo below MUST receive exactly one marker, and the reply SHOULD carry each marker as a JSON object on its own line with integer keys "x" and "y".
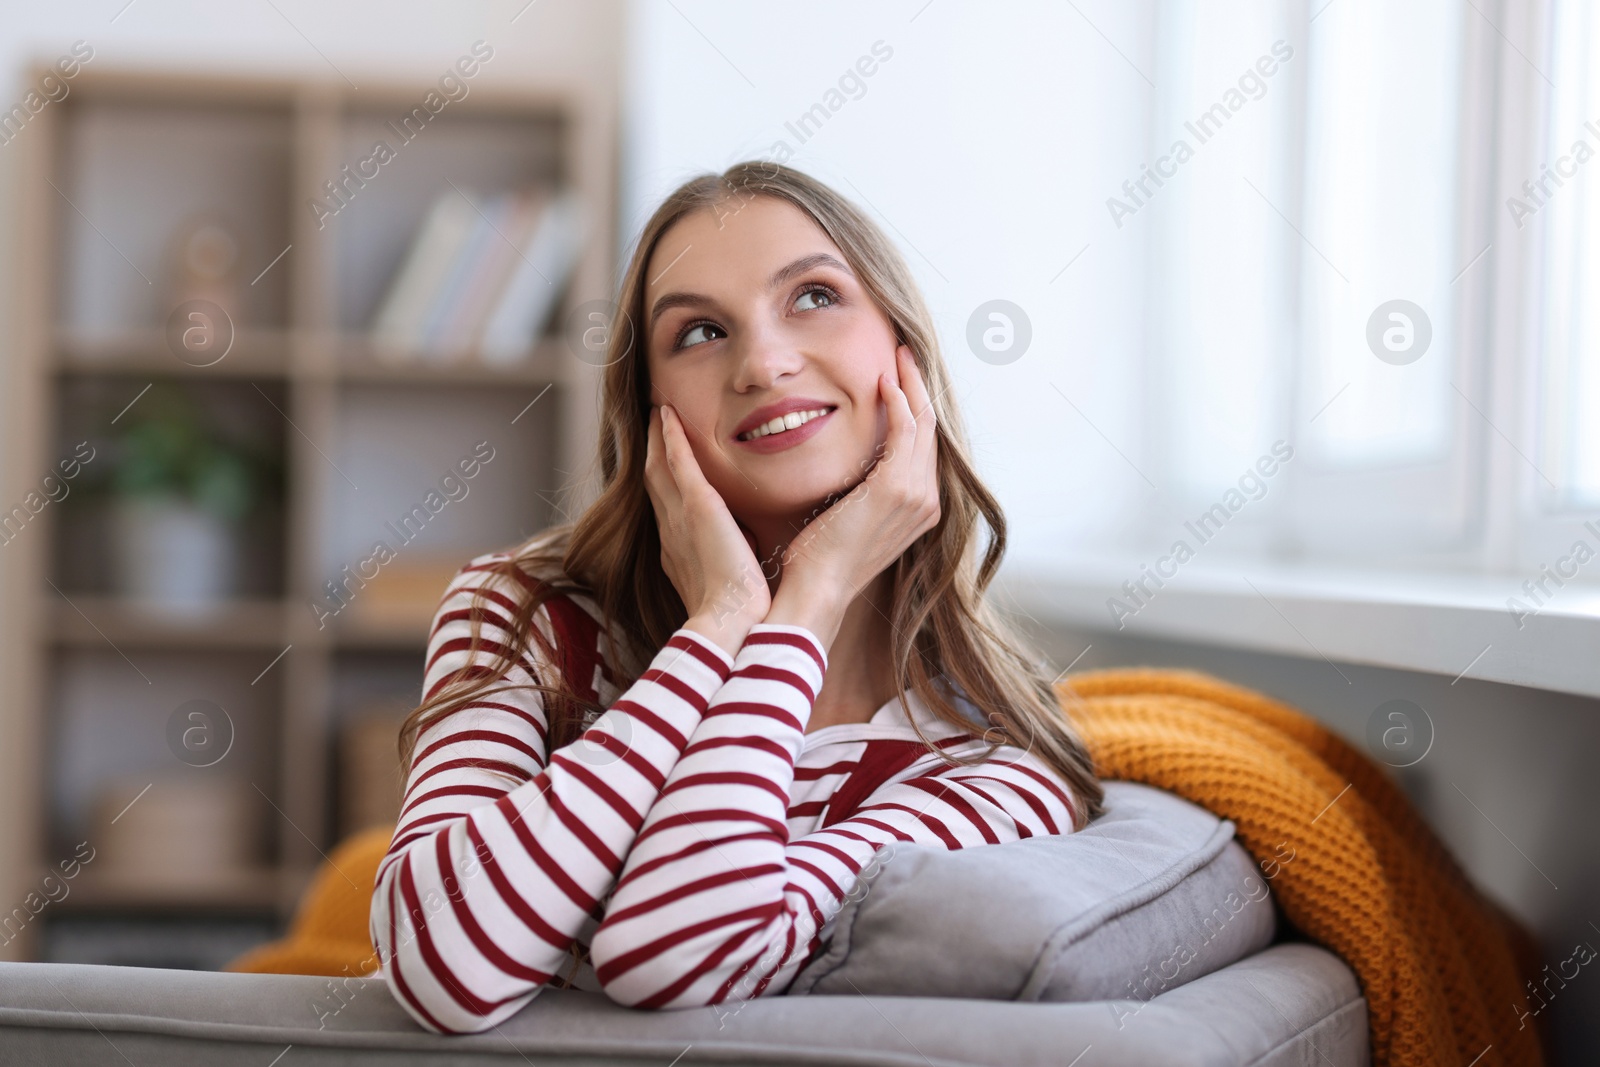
{"x": 1450, "y": 625}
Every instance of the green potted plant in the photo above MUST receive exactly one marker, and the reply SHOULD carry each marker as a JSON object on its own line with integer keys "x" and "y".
{"x": 180, "y": 487}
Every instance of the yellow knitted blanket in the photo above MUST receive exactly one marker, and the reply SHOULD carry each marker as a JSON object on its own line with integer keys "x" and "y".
{"x": 328, "y": 934}
{"x": 1441, "y": 966}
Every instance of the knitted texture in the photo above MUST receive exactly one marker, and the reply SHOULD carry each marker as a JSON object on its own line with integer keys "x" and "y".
{"x": 328, "y": 935}
{"x": 1351, "y": 863}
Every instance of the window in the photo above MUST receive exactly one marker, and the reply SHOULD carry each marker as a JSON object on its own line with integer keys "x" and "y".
{"x": 1324, "y": 187}
{"x": 1332, "y": 265}
{"x": 1559, "y": 197}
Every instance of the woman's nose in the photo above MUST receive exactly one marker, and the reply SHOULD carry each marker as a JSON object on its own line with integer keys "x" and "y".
{"x": 765, "y": 356}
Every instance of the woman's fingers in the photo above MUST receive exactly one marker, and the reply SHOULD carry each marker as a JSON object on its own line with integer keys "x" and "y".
{"x": 658, "y": 476}
{"x": 926, "y": 448}
{"x": 911, "y": 382}
{"x": 691, "y": 480}
{"x": 902, "y": 435}
{"x": 916, "y": 393}
{"x": 679, "y": 454}
{"x": 909, "y": 468}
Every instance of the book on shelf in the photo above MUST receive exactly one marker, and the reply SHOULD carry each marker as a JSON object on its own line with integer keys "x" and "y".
{"x": 481, "y": 277}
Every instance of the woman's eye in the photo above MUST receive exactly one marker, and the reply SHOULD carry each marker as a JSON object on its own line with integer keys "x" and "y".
{"x": 683, "y": 338}
{"x": 687, "y": 339}
{"x": 820, "y": 290}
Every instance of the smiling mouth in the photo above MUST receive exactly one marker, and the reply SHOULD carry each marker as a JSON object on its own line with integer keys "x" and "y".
{"x": 785, "y": 423}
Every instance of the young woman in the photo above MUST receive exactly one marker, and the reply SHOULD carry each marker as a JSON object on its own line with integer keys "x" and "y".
{"x": 658, "y": 745}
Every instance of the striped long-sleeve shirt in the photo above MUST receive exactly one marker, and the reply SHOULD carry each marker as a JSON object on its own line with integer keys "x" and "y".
{"x": 696, "y": 839}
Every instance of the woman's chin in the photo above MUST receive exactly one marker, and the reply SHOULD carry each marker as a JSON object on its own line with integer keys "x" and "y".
{"x": 788, "y": 500}
{"x": 773, "y": 487}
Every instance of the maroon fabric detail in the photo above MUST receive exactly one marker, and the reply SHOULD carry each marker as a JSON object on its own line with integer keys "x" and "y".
{"x": 881, "y": 761}
{"x": 577, "y": 644}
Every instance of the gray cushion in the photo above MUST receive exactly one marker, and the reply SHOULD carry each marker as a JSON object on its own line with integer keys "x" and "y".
{"x": 1290, "y": 1006}
{"x": 1151, "y": 895}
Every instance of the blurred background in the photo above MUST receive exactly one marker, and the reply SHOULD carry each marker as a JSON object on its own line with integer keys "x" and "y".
{"x": 1274, "y": 326}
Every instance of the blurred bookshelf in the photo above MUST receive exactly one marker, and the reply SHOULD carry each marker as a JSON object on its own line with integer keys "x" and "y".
{"x": 344, "y": 385}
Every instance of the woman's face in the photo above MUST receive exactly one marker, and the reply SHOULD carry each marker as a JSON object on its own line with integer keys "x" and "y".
{"x": 750, "y": 312}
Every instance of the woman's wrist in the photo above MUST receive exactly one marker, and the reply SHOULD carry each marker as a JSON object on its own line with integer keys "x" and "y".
{"x": 794, "y": 605}
{"x": 725, "y": 630}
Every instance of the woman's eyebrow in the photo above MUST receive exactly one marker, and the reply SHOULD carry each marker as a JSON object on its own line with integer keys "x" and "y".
{"x": 783, "y": 274}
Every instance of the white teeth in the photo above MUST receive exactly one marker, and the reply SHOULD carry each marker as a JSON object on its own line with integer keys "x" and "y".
{"x": 783, "y": 422}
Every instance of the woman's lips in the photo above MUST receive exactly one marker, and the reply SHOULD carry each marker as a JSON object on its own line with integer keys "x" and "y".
{"x": 778, "y": 442}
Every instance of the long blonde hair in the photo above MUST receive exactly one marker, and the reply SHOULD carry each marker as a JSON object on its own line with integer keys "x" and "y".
{"x": 940, "y": 621}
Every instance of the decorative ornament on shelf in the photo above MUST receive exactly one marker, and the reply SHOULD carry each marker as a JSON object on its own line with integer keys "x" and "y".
{"x": 205, "y": 264}
{"x": 204, "y": 291}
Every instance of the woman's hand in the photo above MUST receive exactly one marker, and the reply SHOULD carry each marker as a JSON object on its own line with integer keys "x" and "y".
{"x": 708, "y": 556}
{"x": 850, "y": 544}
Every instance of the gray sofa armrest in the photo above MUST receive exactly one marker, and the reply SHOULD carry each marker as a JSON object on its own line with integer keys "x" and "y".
{"x": 1291, "y": 1004}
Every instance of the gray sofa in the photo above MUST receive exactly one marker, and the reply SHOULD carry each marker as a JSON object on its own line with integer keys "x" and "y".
{"x": 1148, "y": 938}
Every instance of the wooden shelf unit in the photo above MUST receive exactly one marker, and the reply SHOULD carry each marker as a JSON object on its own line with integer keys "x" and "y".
{"x": 92, "y": 312}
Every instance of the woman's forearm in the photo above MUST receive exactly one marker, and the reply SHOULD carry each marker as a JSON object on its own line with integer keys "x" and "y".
{"x": 708, "y": 867}
{"x": 479, "y": 900}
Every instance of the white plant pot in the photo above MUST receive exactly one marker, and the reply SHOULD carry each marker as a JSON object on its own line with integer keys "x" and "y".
{"x": 169, "y": 552}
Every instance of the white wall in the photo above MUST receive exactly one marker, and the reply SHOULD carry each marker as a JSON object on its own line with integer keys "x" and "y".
{"x": 354, "y": 36}
{"x": 985, "y": 146}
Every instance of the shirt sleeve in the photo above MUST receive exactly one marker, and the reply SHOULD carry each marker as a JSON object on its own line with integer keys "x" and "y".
{"x": 501, "y": 855}
{"x": 715, "y": 902}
